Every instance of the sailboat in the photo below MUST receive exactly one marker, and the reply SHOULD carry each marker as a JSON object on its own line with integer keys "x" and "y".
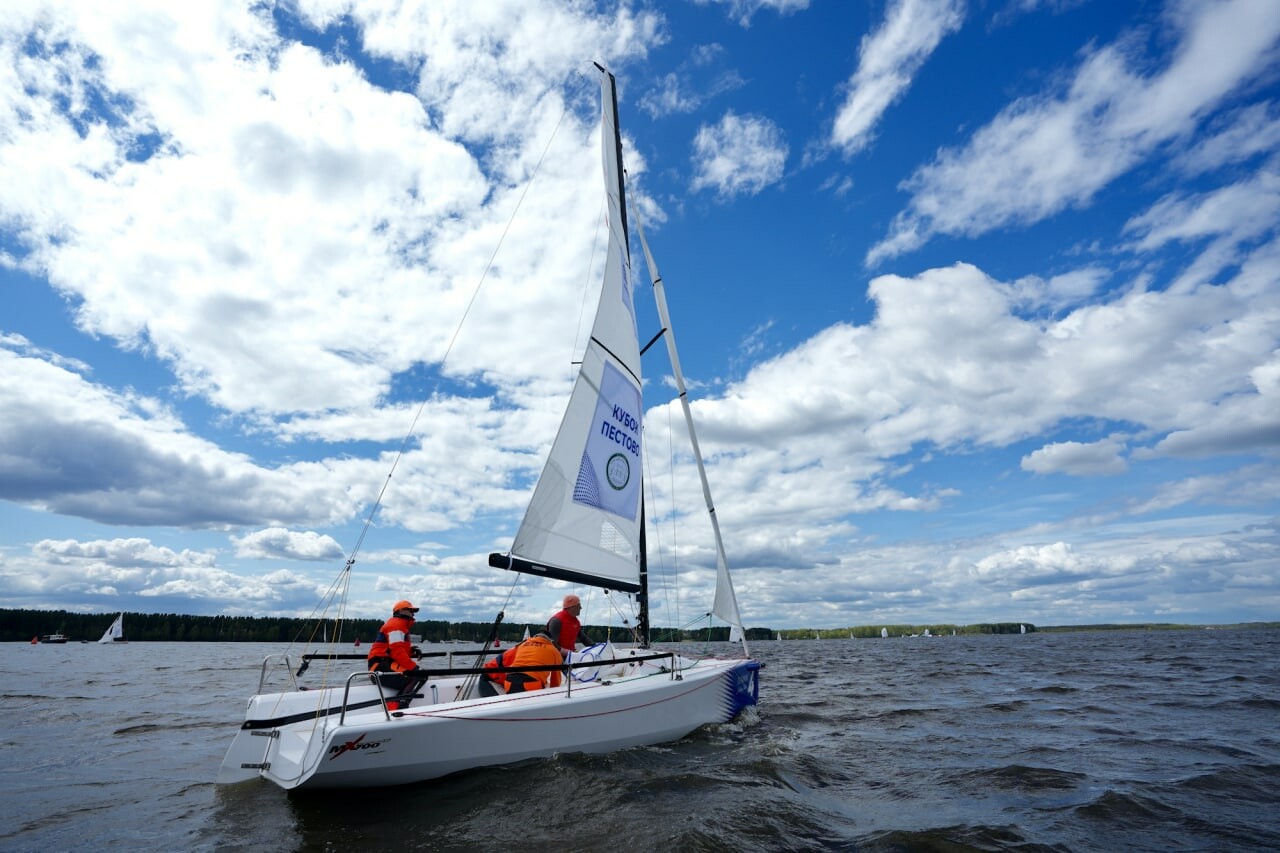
{"x": 585, "y": 525}
{"x": 884, "y": 633}
{"x": 115, "y": 634}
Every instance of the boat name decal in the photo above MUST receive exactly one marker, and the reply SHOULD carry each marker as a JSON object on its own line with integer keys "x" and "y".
{"x": 343, "y": 748}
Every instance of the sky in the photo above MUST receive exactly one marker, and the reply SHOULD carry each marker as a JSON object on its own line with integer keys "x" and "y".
{"x": 978, "y": 302}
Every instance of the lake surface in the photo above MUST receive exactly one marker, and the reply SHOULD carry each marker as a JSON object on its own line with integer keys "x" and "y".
{"x": 1084, "y": 741}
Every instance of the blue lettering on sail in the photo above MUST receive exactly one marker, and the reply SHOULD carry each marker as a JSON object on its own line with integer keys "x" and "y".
{"x": 609, "y": 475}
{"x": 620, "y": 437}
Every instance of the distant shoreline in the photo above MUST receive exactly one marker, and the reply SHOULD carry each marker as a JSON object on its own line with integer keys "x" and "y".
{"x": 22, "y": 625}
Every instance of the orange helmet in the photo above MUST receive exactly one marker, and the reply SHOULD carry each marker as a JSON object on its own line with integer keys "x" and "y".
{"x": 402, "y": 605}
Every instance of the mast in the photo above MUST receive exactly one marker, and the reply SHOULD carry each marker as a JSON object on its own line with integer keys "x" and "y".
{"x": 726, "y": 602}
{"x": 642, "y": 597}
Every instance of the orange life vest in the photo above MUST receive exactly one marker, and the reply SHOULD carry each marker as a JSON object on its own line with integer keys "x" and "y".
{"x": 390, "y": 651}
{"x": 535, "y": 651}
{"x": 504, "y": 659}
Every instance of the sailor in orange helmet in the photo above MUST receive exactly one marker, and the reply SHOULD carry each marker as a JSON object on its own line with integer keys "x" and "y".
{"x": 391, "y": 652}
{"x": 565, "y": 628}
{"x": 538, "y": 650}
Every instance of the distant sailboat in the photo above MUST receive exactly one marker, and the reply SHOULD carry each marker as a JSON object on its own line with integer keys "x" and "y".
{"x": 884, "y": 632}
{"x": 1022, "y": 629}
{"x": 115, "y": 634}
{"x": 779, "y": 636}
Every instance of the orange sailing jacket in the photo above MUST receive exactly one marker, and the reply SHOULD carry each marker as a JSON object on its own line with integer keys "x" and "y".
{"x": 391, "y": 648}
{"x": 504, "y": 659}
{"x": 535, "y": 651}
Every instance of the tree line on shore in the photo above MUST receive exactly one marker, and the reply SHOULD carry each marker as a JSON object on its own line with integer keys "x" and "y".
{"x": 22, "y": 625}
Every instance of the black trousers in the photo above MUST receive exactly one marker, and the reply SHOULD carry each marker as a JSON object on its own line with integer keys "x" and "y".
{"x": 405, "y": 684}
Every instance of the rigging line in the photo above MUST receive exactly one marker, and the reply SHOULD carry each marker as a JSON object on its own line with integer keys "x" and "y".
{"x": 469, "y": 682}
{"x": 675, "y": 526}
{"x": 322, "y": 608}
{"x": 654, "y": 518}
{"x": 413, "y": 426}
{"x": 629, "y": 622}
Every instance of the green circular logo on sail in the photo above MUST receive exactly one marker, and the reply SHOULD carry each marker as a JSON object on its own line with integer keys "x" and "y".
{"x": 618, "y": 471}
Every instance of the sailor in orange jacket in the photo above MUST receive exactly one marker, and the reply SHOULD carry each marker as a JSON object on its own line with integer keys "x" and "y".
{"x": 391, "y": 652}
{"x": 495, "y": 683}
{"x": 538, "y": 650}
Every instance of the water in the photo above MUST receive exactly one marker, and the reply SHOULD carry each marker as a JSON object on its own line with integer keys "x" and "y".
{"x": 1091, "y": 741}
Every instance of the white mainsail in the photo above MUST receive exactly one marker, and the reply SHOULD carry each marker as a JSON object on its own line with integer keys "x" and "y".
{"x": 583, "y": 521}
{"x": 114, "y": 634}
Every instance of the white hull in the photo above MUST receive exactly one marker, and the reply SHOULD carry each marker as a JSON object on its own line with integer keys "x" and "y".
{"x": 436, "y": 735}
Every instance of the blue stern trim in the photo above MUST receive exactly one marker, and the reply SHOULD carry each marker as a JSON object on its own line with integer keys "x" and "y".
{"x": 741, "y": 688}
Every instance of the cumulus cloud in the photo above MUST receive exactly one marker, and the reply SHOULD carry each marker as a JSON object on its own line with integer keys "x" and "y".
{"x": 948, "y": 362}
{"x": 740, "y": 155}
{"x": 742, "y": 11}
{"x": 279, "y": 252}
{"x": 1098, "y": 458}
{"x": 888, "y": 60}
{"x": 76, "y": 448}
{"x": 676, "y": 93}
{"x": 1045, "y": 153}
{"x": 133, "y": 553}
{"x": 279, "y": 543}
